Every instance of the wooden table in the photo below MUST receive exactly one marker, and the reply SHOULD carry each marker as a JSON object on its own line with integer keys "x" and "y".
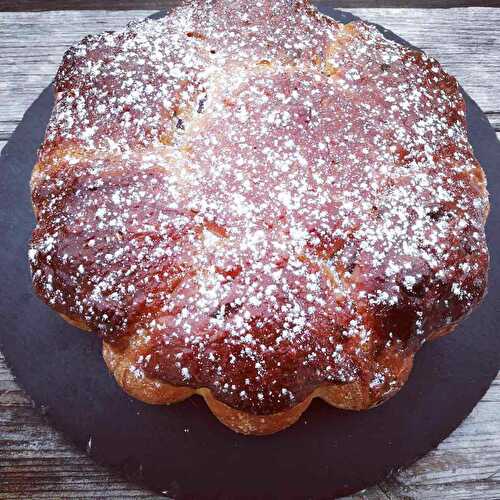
{"x": 37, "y": 461}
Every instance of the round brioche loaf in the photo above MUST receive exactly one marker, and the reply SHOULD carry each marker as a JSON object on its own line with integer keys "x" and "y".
{"x": 251, "y": 202}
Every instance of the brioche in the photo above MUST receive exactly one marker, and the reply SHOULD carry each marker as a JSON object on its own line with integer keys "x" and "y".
{"x": 251, "y": 202}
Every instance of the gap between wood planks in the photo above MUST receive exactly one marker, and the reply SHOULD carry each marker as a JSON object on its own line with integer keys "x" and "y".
{"x": 44, "y": 5}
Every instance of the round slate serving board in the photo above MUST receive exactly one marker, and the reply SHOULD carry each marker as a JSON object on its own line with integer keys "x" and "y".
{"x": 182, "y": 451}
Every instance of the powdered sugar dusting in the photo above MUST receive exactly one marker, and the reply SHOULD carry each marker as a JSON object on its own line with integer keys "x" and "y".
{"x": 261, "y": 207}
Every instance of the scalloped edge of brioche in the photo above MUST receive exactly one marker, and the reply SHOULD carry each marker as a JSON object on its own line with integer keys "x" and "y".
{"x": 354, "y": 396}
{"x": 351, "y": 396}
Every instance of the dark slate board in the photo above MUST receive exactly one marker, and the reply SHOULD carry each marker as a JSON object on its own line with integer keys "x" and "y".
{"x": 182, "y": 451}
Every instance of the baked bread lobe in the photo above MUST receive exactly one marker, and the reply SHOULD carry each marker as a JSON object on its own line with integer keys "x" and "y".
{"x": 254, "y": 203}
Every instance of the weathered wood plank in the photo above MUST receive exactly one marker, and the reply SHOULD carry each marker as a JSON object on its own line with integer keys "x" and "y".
{"x": 43, "y": 5}
{"x": 466, "y": 41}
{"x": 37, "y": 462}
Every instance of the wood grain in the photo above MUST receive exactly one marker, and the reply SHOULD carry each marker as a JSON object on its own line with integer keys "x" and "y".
{"x": 37, "y": 462}
{"x": 44, "y": 5}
